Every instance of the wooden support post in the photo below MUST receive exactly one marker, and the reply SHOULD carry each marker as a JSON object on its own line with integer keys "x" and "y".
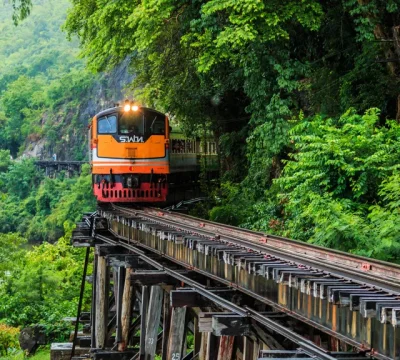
{"x": 256, "y": 350}
{"x": 203, "y": 346}
{"x": 225, "y": 349}
{"x": 153, "y": 321}
{"x": 197, "y": 335}
{"x": 212, "y": 347}
{"x": 143, "y": 318}
{"x": 101, "y": 302}
{"x": 166, "y": 322}
{"x": 93, "y": 309}
{"x": 126, "y": 311}
{"x": 177, "y": 332}
{"x": 248, "y": 348}
{"x": 119, "y": 284}
{"x": 119, "y": 287}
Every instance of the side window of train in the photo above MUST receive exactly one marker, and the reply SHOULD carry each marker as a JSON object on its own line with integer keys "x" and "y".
{"x": 107, "y": 125}
{"x": 213, "y": 148}
{"x": 157, "y": 124}
{"x": 189, "y": 147}
{"x": 178, "y": 146}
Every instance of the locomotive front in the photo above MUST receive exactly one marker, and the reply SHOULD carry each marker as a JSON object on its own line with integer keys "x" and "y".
{"x": 129, "y": 154}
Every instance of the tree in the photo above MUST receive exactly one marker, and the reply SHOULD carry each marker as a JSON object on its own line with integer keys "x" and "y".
{"x": 22, "y": 9}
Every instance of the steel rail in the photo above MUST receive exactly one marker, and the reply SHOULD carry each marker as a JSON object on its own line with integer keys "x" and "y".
{"x": 306, "y": 345}
{"x": 249, "y": 293}
{"x": 138, "y": 217}
{"x": 384, "y": 265}
{"x": 335, "y": 269}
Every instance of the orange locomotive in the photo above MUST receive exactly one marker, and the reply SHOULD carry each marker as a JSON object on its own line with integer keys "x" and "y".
{"x": 129, "y": 154}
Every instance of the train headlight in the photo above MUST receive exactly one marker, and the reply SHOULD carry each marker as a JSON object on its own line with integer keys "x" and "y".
{"x": 135, "y": 108}
{"x": 133, "y": 182}
{"x": 127, "y": 107}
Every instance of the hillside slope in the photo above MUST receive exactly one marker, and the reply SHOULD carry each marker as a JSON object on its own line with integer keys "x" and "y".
{"x": 46, "y": 95}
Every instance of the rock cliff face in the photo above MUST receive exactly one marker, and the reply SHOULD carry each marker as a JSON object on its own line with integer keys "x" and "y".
{"x": 70, "y": 139}
{"x": 110, "y": 88}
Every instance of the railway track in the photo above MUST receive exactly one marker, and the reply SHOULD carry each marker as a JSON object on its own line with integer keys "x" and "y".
{"x": 352, "y": 299}
{"x": 382, "y": 275}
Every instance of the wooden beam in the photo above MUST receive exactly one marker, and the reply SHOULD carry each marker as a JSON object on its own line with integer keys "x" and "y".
{"x": 189, "y": 298}
{"x": 225, "y": 349}
{"x": 230, "y": 325}
{"x": 223, "y": 323}
{"x": 212, "y": 347}
{"x": 119, "y": 282}
{"x": 248, "y": 348}
{"x": 93, "y": 308}
{"x": 153, "y": 321}
{"x": 126, "y": 311}
{"x": 123, "y": 260}
{"x": 166, "y": 321}
{"x": 152, "y": 277}
{"x": 113, "y": 355}
{"x": 177, "y": 332}
{"x": 196, "y": 335}
{"x": 104, "y": 250}
{"x": 203, "y": 346}
{"x": 267, "y": 338}
{"x": 143, "y": 318}
{"x": 205, "y": 320}
{"x": 101, "y": 302}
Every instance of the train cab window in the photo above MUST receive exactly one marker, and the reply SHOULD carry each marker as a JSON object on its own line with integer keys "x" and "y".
{"x": 107, "y": 125}
{"x": 141, "y": 122}
{"x": 131, "y": 122}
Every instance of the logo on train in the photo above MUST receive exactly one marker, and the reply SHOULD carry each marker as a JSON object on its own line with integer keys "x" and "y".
{"x": 131, "y": 139}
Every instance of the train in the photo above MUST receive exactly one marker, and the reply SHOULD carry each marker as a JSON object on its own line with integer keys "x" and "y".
{"x": 136, "y": 156}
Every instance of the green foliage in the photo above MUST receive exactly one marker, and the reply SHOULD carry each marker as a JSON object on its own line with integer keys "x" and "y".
{"x": 338, "y": 171}
{"x": 244, "y": 70}
{"x": 22, "y": 9}
{"x": 40, "y": 207}
{"x": 20, "y": 178}
{"x": 43, "y": 286}
{"x": 42, "y": 84}
{"x": 234, "y": 213}
{"x": 5, "y": 160}
{"x": 8, "y": 339}
{"x": 43, "y": 353}
{"x": 10, "y": 251}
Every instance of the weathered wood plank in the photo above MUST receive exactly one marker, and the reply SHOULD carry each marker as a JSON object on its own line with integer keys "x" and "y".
{"x": 212, "y": 347}
{"x": 248, "y": 348}
{"x": 177, "y": 332}
{"x": 152, "y": 277}
{"x": 225, "y": 349}
{"x": 189, "y": 298}
{"x": 166, "y": 321}
{"x": 197, "y": 335}
{"x": 143, "y": 322}
{"x": 230, "y": 325}
{"x": 153, "y": 321}
{"x": 126, "y": 311}
{"x": 101, "y": 302}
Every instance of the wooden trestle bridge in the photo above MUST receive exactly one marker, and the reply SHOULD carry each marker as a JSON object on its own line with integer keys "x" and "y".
{"x": 183, "y": 288}
{"x": 52, "y": 168}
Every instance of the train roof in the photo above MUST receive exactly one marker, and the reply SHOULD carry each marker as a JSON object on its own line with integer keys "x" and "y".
{"x": 121, "y": 108}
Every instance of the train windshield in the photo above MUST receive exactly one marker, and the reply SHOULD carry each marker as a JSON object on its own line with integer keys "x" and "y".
{"x": 107, "y": 124}
{"x": 141, "y": 122}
